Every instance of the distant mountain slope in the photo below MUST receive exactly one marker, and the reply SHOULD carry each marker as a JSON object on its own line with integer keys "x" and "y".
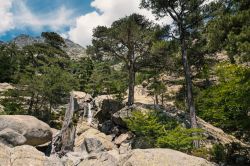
{"x": 25, "y": 40}
{"x": 75, "y": 51}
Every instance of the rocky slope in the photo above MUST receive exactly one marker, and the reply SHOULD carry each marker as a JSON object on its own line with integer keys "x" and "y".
{"x": 100, "y": 139}
{"x": 92, "y": 147}
{"x": 75, "y": 51}
{"x": 28, "y": 155}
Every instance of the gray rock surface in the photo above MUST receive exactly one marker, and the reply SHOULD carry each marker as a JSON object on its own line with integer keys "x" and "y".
{"x": 23, "y": 129}
{"x": 110, "y": 158}
{"x": 10, "y": 137}
{"x": 85, "y": 132}
{"x": 162, "y": 157}
{"x": 75, "y": 51}
{"x": 122, "y": 138}
{"x": 92, "y": 145}
{"x": 25, "y": 155}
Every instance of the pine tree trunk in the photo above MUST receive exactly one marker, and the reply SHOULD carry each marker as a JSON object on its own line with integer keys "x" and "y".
{"x": 131, "y": 89}
{"x": 156, "y": 99}
{"x": 189, "y": 91}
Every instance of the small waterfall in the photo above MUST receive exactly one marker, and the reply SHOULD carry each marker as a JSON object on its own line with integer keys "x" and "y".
{"x": 90, "y": 114}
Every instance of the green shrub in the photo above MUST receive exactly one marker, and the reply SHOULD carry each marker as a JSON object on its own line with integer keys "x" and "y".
{"x": 12, "y": 103}
{"x": 226, "y": 104}
{"x": 179, "y": 138}
{"x": 218, "y": 153}
{"x": 105, "y": 80}
{"x": 202, "y": 152}
{"x": 159, "y": 131}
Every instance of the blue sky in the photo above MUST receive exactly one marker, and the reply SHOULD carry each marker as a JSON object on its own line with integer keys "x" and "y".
{"x": 73, "y": 19}
{"x": 39, "y": 8}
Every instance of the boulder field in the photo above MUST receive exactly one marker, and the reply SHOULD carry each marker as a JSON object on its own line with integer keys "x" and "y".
{"x": 27, "y": 155}
{"x": 20, "y": 135}
{"x": 103, "y": 141}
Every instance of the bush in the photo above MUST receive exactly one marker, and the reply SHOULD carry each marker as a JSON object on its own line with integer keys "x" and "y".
{"x": 159, "y": 131}
{"x": 179, "y": 138}
{"x": 12, "y": 103}
{"x": 230, "y": 154}
{"x": 226, "y": 104}
{"x": 202, "y": 152}
{"x": 218, "y": 153}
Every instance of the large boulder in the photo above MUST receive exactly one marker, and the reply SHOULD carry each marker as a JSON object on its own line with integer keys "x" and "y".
{"x": 162, "y": 157}
{"x": 110, "y": 158}
{"x": 11, "y": 137}
{"x": 123, "y": 138}
{"x": 4, "y": 155}
{"x": 106, "y": 106}
{"x": 92, "y": 145}
{"x": 23, "y": 129}
{"x": 25, "y": 156}
{"x": 91, "y": 137}
{"x": 147, "y": 157}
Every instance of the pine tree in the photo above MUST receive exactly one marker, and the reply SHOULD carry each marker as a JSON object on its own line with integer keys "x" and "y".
{"x": 128, "y": 39}
{"x": 187, "y": 16}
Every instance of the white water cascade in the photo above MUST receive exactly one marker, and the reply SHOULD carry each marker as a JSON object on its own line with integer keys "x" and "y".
{"x": 90, "y": 114}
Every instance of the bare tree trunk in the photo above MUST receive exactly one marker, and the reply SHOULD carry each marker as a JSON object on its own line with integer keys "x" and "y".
{"x": 189, "y": 91}
{"x": 131, "y": 89}
{"x": 156, "y": 99}
{"x": 64, "y": 141}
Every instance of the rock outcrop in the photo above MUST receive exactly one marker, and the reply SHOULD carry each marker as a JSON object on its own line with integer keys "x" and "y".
{"x": 105, "y": 142}
{"x": 214, "y": 134}
{"x": 18, "y": 130}
{"x": 162, "y": 157}
{"x": 25, "y": 155}
{"x": 88, "y": 138}
{"x": 143, "y": 157}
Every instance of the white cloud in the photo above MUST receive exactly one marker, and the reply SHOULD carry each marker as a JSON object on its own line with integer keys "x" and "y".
{"x": 6, "y": 16}
{"x": 55, "y": 20}
{"x": 106, "y": 11}
{"x": 22, "y": 17}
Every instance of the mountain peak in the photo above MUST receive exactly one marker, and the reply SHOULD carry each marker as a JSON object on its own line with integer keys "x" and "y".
{"x": 75, "y": 51}
{"x": 25, "y": 40}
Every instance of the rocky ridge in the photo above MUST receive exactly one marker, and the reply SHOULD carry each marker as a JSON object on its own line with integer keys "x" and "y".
{"x": 75, "y": 51}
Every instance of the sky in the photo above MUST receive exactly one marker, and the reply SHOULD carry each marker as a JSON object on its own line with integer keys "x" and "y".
{"x": 72, "y": 19}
